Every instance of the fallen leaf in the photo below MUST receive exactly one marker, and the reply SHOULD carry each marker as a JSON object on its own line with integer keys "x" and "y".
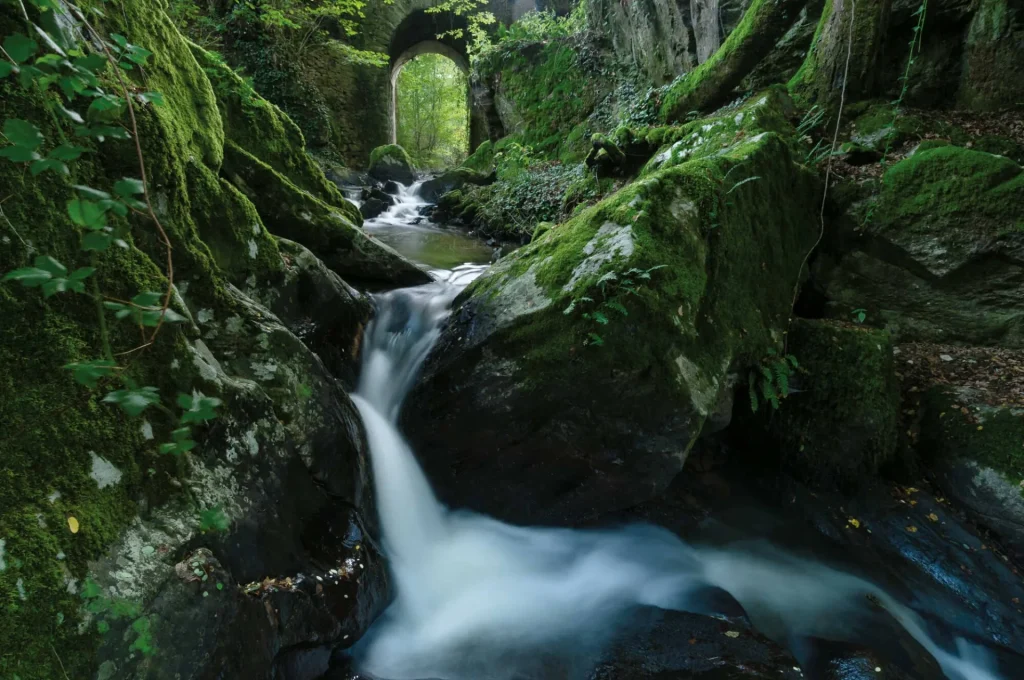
{"x": 933, "y": 517}
{"x": 693, "y": 641}
{"x": 855, "y": 523}
{"x": 732, "y": 633}
{"x": 912, "y": 529}
{"x": 73, "y": 525}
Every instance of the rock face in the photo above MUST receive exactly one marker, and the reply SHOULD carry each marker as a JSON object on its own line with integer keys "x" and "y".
{"x": 452, "y": 180}
{"x": 840, "y": 423}
{"x": 391, "y": 162}
{"x": 131, "y": 559}
{"x": 578, "y": 371}
{"x": 975, "y": 450}
{"x": 940, "y": 254}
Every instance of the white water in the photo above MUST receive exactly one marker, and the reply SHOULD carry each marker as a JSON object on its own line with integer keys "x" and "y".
{"x": 477, "y": 599}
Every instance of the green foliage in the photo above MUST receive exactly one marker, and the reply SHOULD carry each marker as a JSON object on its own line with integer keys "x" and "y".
{"x": 107, "y": 610}
{"x": 213, "y": 519}
{"x": 433, "y": 116}
{"x": 613, "y": 290}
{"x": 769, "y": 380}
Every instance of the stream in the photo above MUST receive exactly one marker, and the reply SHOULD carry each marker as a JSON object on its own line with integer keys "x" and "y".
{"x": 479, "y": 599}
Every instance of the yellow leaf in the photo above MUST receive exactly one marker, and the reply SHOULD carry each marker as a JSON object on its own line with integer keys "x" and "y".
{"x": 933, "y": 517}
{"x": 911, "y": 490}
{"x": 73, "y": 525}
{"x": 912, "y": 529}
{"x": 913, "y": 503}
{"x": 732, "y": 633}
{"x": 980, "y": 428}
{"x": 855, "y": 523}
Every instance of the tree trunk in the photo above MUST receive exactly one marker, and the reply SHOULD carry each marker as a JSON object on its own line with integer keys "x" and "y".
{"x": 820, "y": 79}
{"x": 712, "y": 83}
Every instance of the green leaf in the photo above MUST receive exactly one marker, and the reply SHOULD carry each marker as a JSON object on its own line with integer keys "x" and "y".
{"x": 133, "y": 402}
{"x": 87, "y": 214}
{"x": 42, "y": 165}
{"x": 66, "y": 152}
{"x": 147, "y": 299}
{"x": 7, "y": 68}
{"x": 128, "y": 187}
{"x": 197, "y": 409}
{"x": 20, "y": 47}
{"x": 213, "y": 519}
{"x": 47, "y": 263}
{"x": 119, "y": 40}
{"x": 19, "y": 154}
{"x": 600, "y": 318}
{"x": 30, "y": 277}
{"x": 96, "y": 241}
{"x": 89, "y": 373}
{"x": 154, "y": 98}
{"x": 617, "y": 306}
{"x": 82, "y": 273}
{"x": 22, "y": 133}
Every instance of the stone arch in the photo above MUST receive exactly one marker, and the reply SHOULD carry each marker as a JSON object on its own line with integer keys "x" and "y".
{"x": 416, "y": 35}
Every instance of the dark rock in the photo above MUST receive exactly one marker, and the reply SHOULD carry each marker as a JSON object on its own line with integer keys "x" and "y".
{"x": 372, "y": 207}
{"x": 976, "y": 452}
{"x": 938, "y": 255}
{"x": 433, "y": 189}
{"x": 391, "y": 187}
{"x": 523, "y": 415}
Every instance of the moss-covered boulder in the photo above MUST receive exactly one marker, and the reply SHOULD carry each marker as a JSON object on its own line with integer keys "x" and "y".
{"x": 451, "y": 180}
{"x": 579, "y": 370}
{"x": 391, "y": 162}
{"x": 102, "y": 528}
{"x": 840, "y": 423}
{"x": 326, "y": 230}
{"x": 976, "y": 452}
{"x": 937, "y": 254}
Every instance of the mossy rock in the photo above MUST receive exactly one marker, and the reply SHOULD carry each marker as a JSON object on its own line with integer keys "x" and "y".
{"x": 482, "y": 159}
{"x": 841, "y": 422}
{"x": 391, "y": 162}
{"x": 937, "y": 256}
{"x": 262, "y": 129}
{"x": 976, "y": 452}
{"x": 452, "y": 180}
{"x": 598, "y": 415}
{"x": 325, "y": 230}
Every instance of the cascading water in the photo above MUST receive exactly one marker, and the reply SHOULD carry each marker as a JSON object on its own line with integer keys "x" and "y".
{"x": 477, "y": 599}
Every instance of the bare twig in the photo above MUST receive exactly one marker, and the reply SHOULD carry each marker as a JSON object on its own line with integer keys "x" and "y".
{"x": 60, "y": 662}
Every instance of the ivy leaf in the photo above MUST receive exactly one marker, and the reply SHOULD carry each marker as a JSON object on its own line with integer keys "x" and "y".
{"x": 154, "y": 98}
{"x": 42, "y": 165}
{"x": 20, "y": 47}
{"x": 19, "y": 154}
{"x": 197, "y": 409}
{"x": 66, "y": 152}
{"x": 133, "y": 402}
{"x": 89, "y": 373}
{"x": 128, "y": 187}
{"x": 22, "y": 133}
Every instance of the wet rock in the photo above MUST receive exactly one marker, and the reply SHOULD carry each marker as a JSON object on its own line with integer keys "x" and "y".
{"x": 976, "y": 452}
{"x": 937, "y": 257}
{"x": 391, "y": 187}
{"x": 433, "y": 189}
{"x": 391, "y": 163}
{"x": 372, "y": 207}
{"x": 533, "y": 409}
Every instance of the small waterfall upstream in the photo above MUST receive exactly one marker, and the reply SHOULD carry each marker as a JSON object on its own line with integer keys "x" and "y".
{"x": 478, "y": 599}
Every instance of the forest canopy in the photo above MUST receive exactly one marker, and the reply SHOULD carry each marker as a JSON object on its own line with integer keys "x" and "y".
{"x": 432, "y": 115}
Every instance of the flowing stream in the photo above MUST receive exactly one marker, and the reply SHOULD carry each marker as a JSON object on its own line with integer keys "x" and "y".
{"x": 478, "y": 599}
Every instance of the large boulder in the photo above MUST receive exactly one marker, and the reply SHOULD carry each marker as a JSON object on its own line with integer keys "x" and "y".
{"x": 391, "y": 162}
{"x": 577, "y": 372}
{"x": 938, "y": 256}
{"x": 434, "y": 188}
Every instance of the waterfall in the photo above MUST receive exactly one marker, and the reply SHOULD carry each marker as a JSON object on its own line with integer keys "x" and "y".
{"x": 477, "y": 599}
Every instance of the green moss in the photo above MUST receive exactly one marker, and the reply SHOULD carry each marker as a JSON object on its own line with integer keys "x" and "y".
{"x": 482, "y": 159}
{"x": 262, "y": 129}
{"x": 800, "y": 84}
{"x": 720, "y": 297}
{"x": 390, "y": 153}
{"x": 298, "y": 216}
{"x": 842, "y": 423}
{"x": 952, "y": 426}
{"x": 951, "y": 196}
